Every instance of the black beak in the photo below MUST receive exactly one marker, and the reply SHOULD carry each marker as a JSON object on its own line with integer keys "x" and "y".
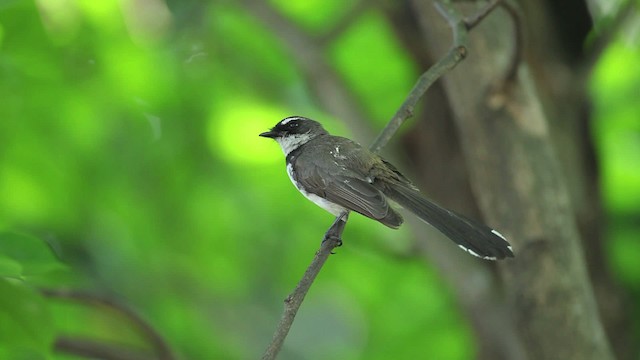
{"x": 270, "y": 134}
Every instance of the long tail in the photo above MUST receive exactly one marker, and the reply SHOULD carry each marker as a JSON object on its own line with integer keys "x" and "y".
{"x": 473, "y": 237}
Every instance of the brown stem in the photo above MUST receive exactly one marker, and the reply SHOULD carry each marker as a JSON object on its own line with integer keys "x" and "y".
{"x": 160, "y": 346}
{"x": 294, "y": 300}
{"x": 456, "y": 54}
{"x": 476, "y": 18}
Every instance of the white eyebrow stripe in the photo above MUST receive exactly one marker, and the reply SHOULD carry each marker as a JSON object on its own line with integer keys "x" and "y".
{"x": 290, "y": 118}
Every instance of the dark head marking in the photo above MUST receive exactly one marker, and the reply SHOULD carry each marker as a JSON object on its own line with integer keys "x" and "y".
{"x": 294, "y": 125}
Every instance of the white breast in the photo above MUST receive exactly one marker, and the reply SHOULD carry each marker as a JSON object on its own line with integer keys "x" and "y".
{"x": 323, "y": 203}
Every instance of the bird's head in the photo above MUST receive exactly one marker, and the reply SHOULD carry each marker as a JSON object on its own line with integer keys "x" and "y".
{"x": 294, "y": 131}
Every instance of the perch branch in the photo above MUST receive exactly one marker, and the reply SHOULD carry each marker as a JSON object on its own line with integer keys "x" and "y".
{"x": 456, "y": 54}
{"x": 294, "y": 300}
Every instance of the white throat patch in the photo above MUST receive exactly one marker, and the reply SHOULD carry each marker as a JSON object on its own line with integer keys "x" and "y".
{"x": 291, "y": 142}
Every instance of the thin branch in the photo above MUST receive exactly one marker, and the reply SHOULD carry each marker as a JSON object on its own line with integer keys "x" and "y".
{"x": 160, "y": 346}
{"x": 471, "y": 21}
{"x": 92, "y": 349}
{"x": 294, "y": 300}
{"x": 514, "y": 12}
{"x": 448, "y": 62}
{"x": 516, "y": 56}
{"x": 456, "y": 54}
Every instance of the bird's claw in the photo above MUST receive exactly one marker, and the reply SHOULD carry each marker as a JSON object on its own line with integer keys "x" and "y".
{"x": 332, "y": 237}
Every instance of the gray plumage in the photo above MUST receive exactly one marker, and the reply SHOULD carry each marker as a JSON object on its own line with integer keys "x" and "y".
{"x": 339, "y": 174}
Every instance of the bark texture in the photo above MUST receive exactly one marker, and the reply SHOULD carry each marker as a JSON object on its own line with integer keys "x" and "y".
{"x": 516, "y": 177}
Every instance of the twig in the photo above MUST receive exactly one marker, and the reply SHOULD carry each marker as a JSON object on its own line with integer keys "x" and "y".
{"x": 161, "y": 348}
{"x": 471, "y": 21}
{"x": 448, "y": 62}
{"x": 92, "y": 349}
{"x": 456, "y": 54}
{"x": 294, "y": 300}
{"x": 514, "y": 11}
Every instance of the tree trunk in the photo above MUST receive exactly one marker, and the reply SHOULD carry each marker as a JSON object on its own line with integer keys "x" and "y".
{"x": 516, "y": 177}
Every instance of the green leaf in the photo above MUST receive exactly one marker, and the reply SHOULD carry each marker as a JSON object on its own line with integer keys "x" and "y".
{"x": 32, "y": 255}
{"x": 9, "y": 267}
{"x": 25, "y": 323}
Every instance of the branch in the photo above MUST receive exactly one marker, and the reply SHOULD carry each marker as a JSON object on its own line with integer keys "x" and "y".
{"x": 456, "y": 54}
{"x": 332, "y": 238}
{"x": 92, "y": 349}
{"x": 294, "y": 300}
{"x": 514, "y": 12}
{"x": 471, "y": 21}
{"x": 160, "y": 346}
{"x": 516, "y": 57}
{"x": 505, "y": 148}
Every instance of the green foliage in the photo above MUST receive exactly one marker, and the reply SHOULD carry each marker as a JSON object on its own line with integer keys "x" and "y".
{"x": 615, "y": 87}
{"x": 24, "y": 256}
{"x": 128, "y": 140}
{"x": 26, "y": 329}
{"x": 618, "y": 123}
{"x": 385, "y": 78}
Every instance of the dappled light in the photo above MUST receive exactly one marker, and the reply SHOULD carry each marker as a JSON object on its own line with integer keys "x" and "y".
{"x": 133, "y": 179}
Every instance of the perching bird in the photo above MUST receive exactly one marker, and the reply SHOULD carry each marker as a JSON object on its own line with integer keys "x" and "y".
{"x": 339, "y": 175}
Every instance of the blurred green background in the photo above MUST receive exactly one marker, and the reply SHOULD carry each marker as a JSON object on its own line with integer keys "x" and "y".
{"x": 129, "y": 149}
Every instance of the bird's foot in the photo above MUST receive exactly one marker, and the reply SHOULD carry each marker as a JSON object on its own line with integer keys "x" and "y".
{"x": 333, "y": 238}
{"x": 334, "y": 233}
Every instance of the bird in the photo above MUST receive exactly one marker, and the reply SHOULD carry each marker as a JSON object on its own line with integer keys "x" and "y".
{"x": 340, "y": 176}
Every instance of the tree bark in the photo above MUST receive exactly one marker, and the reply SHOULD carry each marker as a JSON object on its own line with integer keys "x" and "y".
{"x": 516, "y": 177}
{"x": 433, "y": 151}
{"x": 561, "y": 66}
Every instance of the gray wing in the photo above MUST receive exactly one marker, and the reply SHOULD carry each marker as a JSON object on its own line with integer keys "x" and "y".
{"x": 346, "y": 189}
